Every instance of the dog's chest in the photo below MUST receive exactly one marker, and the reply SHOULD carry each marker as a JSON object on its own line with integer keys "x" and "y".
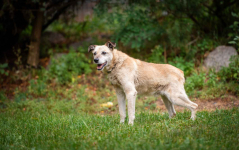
{"x": 113, "y": 79}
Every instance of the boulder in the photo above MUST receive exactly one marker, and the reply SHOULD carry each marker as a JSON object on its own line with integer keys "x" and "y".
{"x": 220, "y": 57}
{"x": 52, "y": 38}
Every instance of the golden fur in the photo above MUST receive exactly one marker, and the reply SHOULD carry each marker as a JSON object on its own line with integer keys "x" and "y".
{"x": 131, "y": 76}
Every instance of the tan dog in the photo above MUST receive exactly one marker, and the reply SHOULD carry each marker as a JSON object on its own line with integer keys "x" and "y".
{"x": 131, "y": 76}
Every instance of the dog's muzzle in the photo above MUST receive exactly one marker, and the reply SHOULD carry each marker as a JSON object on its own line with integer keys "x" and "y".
{"x": 101, "y": 66}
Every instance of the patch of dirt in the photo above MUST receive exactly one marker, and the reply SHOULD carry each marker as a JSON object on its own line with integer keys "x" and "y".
{"x": 228, "y": 102}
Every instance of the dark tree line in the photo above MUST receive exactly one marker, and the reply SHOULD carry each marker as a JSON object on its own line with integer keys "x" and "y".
{"x": 150, "y": 19}
{"x": 17, "y": 15}
{"x": 144, "y": 20}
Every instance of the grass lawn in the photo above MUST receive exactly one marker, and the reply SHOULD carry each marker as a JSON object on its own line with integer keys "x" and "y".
{"x": 32, "y": 130}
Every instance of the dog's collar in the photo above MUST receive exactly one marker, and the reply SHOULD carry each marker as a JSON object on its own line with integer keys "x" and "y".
{"x": 109, "y": 71}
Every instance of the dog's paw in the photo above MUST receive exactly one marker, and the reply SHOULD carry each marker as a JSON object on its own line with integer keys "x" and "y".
{"x": 193, "y": 118}
{"x": 121, "y": 121}
{"x": 131, "y": 123}
{"x": 193, "y": 115}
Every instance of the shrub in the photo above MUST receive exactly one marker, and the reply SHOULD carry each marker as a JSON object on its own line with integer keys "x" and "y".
{"x": 212, "y": 79}
{"x": 2, "y": 69}
{"x": 181, "y": 63}
{"x": 157, "y": 55}
{"x": 72, "y": 64}
{"x": 195, "y": 82}
{"x": 38, "y": 87}
{"x": 230, "y": 73}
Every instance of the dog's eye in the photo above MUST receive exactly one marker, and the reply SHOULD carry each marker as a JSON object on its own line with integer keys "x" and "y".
{"x": 103, "y": 53}
{"x": 94, "y": 53}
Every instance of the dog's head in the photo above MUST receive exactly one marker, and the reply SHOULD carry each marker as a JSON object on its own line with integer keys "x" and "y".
{"x": 102, "y": 54}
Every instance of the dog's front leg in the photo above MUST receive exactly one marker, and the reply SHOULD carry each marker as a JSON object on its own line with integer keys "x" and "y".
{"x": 121, "y": 101}
{"x": 131, "y": 94}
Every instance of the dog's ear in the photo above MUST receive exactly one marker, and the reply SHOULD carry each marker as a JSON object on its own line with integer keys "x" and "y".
{"x": 91, "y": 48}
{"x": 111, "y": 45}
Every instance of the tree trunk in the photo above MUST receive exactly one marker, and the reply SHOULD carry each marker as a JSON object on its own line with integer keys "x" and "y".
{"x": 33, "y": 55}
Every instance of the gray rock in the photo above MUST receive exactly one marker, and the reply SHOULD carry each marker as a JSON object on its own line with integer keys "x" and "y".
{"x": 52, "y": 38}
{"x": 220, "y": 57}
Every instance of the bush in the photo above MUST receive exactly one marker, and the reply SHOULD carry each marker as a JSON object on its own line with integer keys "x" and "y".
{"x": 2, "y": 69}
{"x": 195, "y": 82}
{"x": 72, "y": 64}
{"x": 181, "y": 63}
{"x": 212, "y": 79}
{"x": 38, "y": 87}
{"x": 230, "y": 73}
{"x": 73, "y": 30}
{"x": 157, "y": 55}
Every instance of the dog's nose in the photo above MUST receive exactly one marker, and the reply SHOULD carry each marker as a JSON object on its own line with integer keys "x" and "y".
{"x": 96, "y": 60}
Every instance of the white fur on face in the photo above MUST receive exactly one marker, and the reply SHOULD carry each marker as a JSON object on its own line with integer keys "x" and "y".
{"x": 103, "y": 58}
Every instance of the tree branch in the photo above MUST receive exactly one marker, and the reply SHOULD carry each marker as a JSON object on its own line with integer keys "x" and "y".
{"x": 56, "y": 16}
{"x": 61, "y": 10}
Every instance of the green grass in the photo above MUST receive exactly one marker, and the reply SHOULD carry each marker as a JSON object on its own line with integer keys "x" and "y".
{"x": 48, "y": 115}
{"x": 33, "y": 130}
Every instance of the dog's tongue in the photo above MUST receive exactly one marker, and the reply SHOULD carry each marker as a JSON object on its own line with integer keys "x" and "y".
{"x": 99, "y": 66}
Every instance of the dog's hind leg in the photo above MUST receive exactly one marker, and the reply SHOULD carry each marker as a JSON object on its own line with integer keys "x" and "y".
{"x": 169, "y": 106}
{"x": 193, "y": 106}
{"x": 121, "y": 102}
{"x": 181, "y": 99}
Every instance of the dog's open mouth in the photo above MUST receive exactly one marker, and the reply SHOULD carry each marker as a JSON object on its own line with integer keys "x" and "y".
{"x": 101, "y": 66}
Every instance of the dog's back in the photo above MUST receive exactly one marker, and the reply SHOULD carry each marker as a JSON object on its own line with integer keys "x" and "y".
{"x": 150, "y": 78}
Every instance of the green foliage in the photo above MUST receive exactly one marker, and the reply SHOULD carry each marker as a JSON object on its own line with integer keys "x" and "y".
{"x": 177, "y": 32}
{"x": 68, "y": 66}
{"x": 3, "y": 96}
{"x": 235, "y": 30}
{"x": 2, "y": 69}
{"x": 33, "y": 130}
{"x": 131, "y": 26}
{"x": 156, "y": 55}
{"x": 20, "y": 96}
{"x": 213, "y": 84}
{"x": 235, "y": 41}
{"x": 205, "y": 45}
{"x": 211, "y": 17}
{"x": 230, "y": 73}
{"x": 138, "y": 28}
{"x": 181, "y": 63}
{"x": 38, "y": 87}
{"x": 27, "y": 31}
{"x": 212, "y": 79}
{"x": 71, "y": 30}
{"x": 195, "y": 82}
{"x": 172, "y": 23}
